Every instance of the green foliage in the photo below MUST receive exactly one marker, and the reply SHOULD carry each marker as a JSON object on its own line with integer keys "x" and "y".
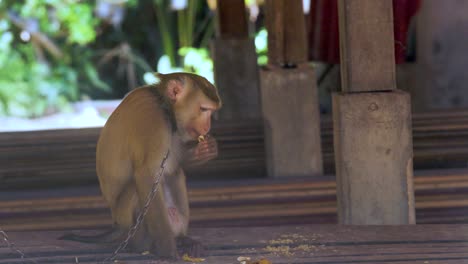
{"x": 74, "y": 19}
{"x": 29, "y": 89}
{"x": 198, "y": 61}
{"x": 39, "y": 74}
{"x": 78, "y": 20}
{"x": 261, "y": 45}
{"x": 53, "y": 52}
{"x": 191, "y": 54}
{"x": 193, "y": 39}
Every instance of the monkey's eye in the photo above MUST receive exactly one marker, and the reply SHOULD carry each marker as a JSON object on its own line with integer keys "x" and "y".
{"x": 203, "y": 109}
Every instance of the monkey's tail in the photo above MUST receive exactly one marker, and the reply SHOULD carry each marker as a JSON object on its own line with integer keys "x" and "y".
{"x": 111, "y": 236}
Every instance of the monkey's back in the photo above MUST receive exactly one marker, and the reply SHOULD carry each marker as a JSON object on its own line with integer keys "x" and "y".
{"x": 136, "y": 131}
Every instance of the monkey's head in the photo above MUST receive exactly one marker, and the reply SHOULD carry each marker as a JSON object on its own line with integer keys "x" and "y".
{"x": 194, "y": 100}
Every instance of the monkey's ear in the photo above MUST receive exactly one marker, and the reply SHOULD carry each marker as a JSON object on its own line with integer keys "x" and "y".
{"x": 174, "y": 89}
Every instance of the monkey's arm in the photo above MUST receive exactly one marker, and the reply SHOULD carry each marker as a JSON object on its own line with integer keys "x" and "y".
{"x": 185, "y": 244}
{"x": 203, "y": 152}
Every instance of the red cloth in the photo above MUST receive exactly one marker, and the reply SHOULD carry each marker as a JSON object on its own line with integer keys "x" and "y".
{"x": 324, "y": 35}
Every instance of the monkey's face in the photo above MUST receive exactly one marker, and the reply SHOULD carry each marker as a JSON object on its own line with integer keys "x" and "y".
{"x": 193, "y": 111}
{"x": 195, "y": 119}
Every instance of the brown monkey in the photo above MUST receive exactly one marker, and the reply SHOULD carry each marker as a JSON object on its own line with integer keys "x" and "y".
{"x": 150, "y": 121}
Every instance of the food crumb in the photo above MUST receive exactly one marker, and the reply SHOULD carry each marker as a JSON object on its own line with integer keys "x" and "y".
{"x": 246, "y": 260}
{"x": 306, "y": 248}
{"x": 187, "y": 258}
{"x": 279, "y": 250}
{"x": 281, "y": 241}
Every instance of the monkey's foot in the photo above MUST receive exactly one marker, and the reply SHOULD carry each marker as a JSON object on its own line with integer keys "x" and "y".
{"x": 192, "y": 248}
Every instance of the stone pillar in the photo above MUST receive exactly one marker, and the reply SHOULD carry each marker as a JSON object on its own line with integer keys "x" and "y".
{"x": 235, "y": 63}
{"x": 289, "y": 95}
{"x": 372, "y": 121}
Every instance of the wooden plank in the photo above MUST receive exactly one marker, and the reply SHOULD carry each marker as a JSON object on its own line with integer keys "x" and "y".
{"x": 366, "y": 45}
{"x": 231, "y": 19}
{"x": 287, "y": 41}
{"x": 36, "y": 159}
{"x": 374, "y": 158}
{"x": 441, "y": 197}
{"x": 243, "y": 192}
{"x": 286, "y": 244}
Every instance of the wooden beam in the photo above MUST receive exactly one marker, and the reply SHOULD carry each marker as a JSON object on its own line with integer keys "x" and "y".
{"x": 287, "y": 38}
{"x": 366, "y": 45}
{"x": 231, "y": 19}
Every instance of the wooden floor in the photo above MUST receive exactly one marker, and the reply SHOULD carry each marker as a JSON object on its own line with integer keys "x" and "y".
{"x": 235, "y": 206}
{"x": 284, "y": 205}
{"x": 294, "y": 244}
{"x": 441, "y": 197}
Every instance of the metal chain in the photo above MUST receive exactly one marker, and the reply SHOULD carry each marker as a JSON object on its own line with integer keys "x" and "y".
{"x": 13, "y": 247}
{"x": 144, "y": 211}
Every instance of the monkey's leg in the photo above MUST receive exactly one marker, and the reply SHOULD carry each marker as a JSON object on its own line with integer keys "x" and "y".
{"x": 157, "y": 219}
{"x": 125, "y": 212}
{"x": 125, "y": 206}
{"x": 181, "y": 216}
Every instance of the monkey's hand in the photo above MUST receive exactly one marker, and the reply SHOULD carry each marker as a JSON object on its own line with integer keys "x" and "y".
{"x": 203, "y": 152}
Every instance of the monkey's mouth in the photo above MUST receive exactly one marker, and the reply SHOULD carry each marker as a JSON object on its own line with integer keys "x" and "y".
{"x": 193, "y": 134}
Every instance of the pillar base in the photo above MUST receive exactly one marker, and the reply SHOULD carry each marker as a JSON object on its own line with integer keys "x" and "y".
{"x": 236, "y": 76}
{"x": 374, "y": 158}
{"x": 292, "y": 122}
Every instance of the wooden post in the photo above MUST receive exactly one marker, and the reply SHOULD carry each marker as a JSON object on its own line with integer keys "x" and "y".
{"x": 372, "y": 121}
{"x": 231, "y": 19}
{"x": 289, "y": 95}
{"x": 366, "y": 45}
{"x": 287, "y": 39}
{"x": 235, "y": 63}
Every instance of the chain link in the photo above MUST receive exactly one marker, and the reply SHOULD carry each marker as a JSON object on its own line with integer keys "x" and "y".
{"x": 149, "y": 198}
{"x": 13, "y": 247}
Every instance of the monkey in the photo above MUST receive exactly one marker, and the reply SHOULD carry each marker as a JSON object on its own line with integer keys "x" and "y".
{"x": 150, "y": 121}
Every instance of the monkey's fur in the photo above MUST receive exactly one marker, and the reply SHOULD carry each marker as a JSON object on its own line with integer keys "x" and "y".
{"x": 150, "y": 121}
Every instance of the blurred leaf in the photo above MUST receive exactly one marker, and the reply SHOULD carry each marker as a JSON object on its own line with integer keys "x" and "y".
{"x": 79, "y": 20}
{"x": 93, "y": 76}
{"x": 4, "y": 103}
